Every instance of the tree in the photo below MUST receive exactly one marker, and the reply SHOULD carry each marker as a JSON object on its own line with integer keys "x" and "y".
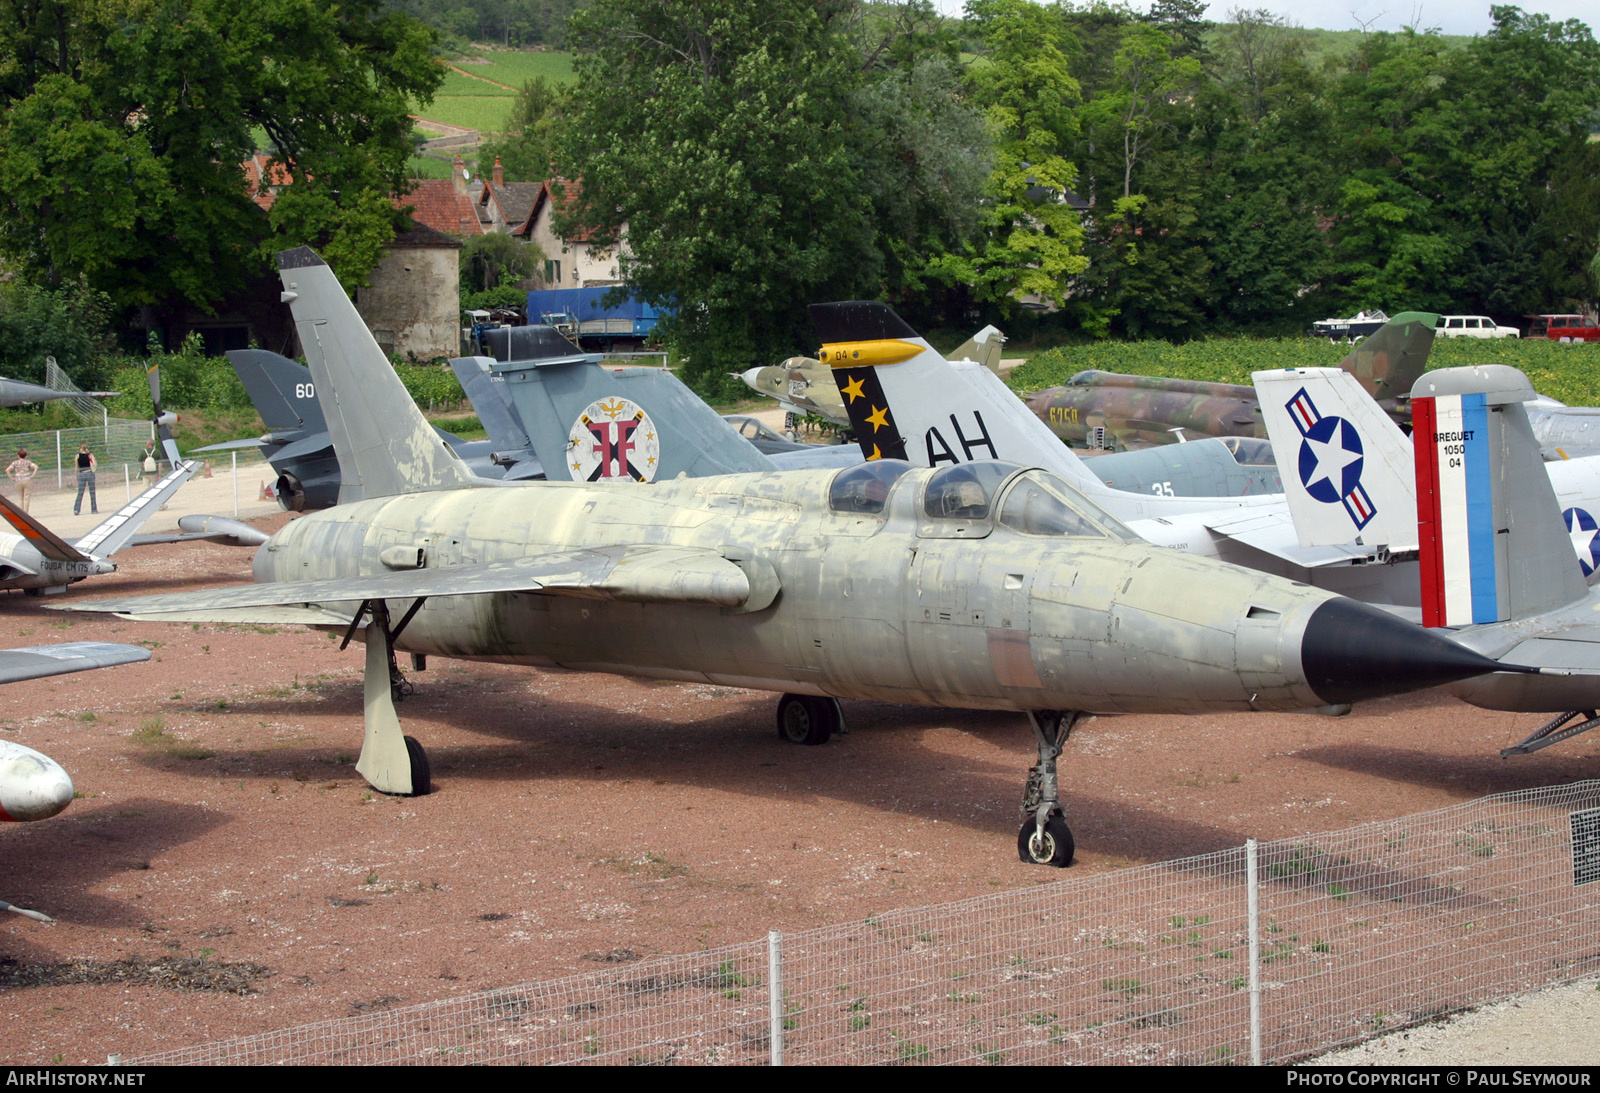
{"x": 123, "y": 125}
{"x": 718, "y": 132}
{"x": 1031, "y": 239}
{"x": 492, "y": 260}
{"x": 528, "y": 147}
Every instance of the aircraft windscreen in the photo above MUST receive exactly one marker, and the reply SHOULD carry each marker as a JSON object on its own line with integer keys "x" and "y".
{"x": 965, "y": 491}
{"x": 1026, "y": 509}
{"x": 1250, "y": 451}
{"x": 865, "y": 488}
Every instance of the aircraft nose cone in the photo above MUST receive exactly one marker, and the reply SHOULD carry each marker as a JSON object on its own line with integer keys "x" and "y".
{"x": 1351, "y": 651}
{"x": 32, "y": 787}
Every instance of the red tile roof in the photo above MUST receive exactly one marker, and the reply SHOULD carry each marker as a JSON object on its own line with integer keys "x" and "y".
{"x": 437, "y": 204}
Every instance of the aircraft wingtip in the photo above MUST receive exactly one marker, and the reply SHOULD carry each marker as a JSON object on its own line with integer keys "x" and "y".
{"x": 299, "y": 258}
{"x": 858, "y": 321}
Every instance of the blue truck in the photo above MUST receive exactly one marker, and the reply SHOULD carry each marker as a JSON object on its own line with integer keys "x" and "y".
{"x": 580, "y": 315}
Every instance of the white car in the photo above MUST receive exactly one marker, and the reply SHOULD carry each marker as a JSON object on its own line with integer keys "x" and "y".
{"x": 1473, "y": 326}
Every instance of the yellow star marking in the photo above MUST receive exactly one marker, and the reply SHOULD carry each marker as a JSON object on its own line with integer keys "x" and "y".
{"x": 574, "y": 466}
{"x": 852, "y": 390}
{"x": 878, "y": 418}
{"x": 876, "y": 454}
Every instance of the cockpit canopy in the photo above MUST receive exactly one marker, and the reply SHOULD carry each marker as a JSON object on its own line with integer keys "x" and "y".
{"x": 1250, "y": 451}
{"x": 865, "y": 488}
{"x": 966, "y": 500}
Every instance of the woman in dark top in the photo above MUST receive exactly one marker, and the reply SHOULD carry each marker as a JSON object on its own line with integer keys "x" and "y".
{"x": 86, "y": 469}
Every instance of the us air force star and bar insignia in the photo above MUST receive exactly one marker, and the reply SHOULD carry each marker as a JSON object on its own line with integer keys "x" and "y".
{"x": 1585, "y": 534}
{"x": 613, "y": 438}
{"x": 1331, "y": 459}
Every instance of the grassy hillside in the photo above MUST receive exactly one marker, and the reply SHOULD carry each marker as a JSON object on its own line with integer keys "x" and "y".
{"x": 480, "y": 95}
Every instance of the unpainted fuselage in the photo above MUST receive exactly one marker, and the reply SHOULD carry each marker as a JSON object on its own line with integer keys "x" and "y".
{"x": 897, "y": 606}
{"x": 23, "y": 567}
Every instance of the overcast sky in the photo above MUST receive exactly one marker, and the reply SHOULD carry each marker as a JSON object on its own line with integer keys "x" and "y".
{"x": 1457, "y": 18}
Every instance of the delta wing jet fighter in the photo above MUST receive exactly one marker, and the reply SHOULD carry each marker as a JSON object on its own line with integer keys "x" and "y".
{"x": 33, "y": 786}
{"x": 1112, "y": 411}
{"x": 984, "y": 585}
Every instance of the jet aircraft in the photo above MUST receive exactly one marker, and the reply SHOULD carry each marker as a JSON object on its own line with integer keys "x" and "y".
{"x": 1112, "y": 411}
{"x": 909, "y": 402}
{"x": 986, "y": 585}
{"x": 1508, "y": 548}
{"x": 296, "y": 443}
{"x": 18, "y": 393}
{"x": 33, "y": 786}
{"x": 803, "y": 385}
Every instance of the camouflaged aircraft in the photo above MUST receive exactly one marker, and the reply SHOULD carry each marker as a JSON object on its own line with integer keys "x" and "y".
{"x": 803, "y": 385}
{"x": 1115, "y": 412}
{"x": 987, "y": 585}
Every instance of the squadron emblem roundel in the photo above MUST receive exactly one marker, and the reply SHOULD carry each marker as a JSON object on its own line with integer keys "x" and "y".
{"x": 613, "y": 439}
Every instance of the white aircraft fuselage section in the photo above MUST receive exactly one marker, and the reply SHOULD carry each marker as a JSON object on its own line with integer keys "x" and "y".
{"x": 896, "y": 606}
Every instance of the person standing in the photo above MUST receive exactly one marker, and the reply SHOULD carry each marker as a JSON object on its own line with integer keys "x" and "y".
{"x": 149, "y": 467}
{"x": 86, "y": 468}
{"x": 21, "y": 471}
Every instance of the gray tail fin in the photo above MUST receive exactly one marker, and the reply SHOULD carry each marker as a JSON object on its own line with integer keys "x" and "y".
{"x": 594, "y": 423}
{"x": 1493, "y": 544}
{"x": 1390, "y": 361}
{"x": 983, "y": 347}
{"x": 384, "y": 444}
{"x": 492, "y": 402}
{"x": 280, "y": 389}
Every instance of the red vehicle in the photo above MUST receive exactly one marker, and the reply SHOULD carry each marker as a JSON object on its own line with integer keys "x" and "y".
{"x": 1564, "y": 328}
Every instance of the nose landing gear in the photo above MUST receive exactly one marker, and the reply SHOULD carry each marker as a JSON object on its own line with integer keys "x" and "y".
{"x": 1045, "y": 838}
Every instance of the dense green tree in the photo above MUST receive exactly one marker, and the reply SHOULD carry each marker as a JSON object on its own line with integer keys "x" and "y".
{"x": 123, "y": 124}
{"x": 528, "y": 147}
{"x": 493, "y": 260}
{"x": 71, "y": 323}
{"x": 1031, "y": 240}
{"x": 722, "y": 134}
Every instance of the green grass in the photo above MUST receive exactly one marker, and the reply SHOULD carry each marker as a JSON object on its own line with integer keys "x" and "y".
{"x": 1570, "y": 373}
{"x": 482, "y": 112}
{"x": 515, "y": 67}
{"x": 472, "y": 103}
{"x": 427, "y": 167}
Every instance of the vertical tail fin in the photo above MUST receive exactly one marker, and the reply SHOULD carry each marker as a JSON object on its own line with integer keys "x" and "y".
{"x": 1493, "y": 545}
{"x": 1346, "y": 466}
{"x": 384, "y": 444}
{"x": 983, "y": 347}
{"x": 1390, "y": 361}
{"x": 898, "y": 391}
{"x": 598, "y": 424}
{"x": 281, "y": 390}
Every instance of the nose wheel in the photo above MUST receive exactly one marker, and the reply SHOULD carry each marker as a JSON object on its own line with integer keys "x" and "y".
{"x": 1052, "y": 846}
{"x": 1045, "y": 838}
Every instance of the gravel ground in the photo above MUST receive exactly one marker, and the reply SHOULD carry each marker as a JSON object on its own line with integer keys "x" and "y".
{"x": 222, "y": 825}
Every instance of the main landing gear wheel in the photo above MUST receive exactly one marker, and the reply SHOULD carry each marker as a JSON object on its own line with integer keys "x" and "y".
{"x": 1053, "y": 847}
{"x": 806, "y": 719}
{"x": 421, "y": 772}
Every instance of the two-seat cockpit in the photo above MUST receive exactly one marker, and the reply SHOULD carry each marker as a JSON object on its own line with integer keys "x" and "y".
{"x": 967, "y": 500}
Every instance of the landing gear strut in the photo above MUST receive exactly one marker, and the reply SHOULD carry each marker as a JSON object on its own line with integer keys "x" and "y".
{"x": 391, "y": 761}
{"x": 807, "y": 719}
{"x": 1045, "y": 838}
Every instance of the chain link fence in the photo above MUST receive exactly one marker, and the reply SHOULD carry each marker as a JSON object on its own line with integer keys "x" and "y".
{"x": 1269, "y": 952}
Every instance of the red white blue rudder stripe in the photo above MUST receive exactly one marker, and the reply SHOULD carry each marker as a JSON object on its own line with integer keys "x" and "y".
{"x": 1462, "y": 553}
